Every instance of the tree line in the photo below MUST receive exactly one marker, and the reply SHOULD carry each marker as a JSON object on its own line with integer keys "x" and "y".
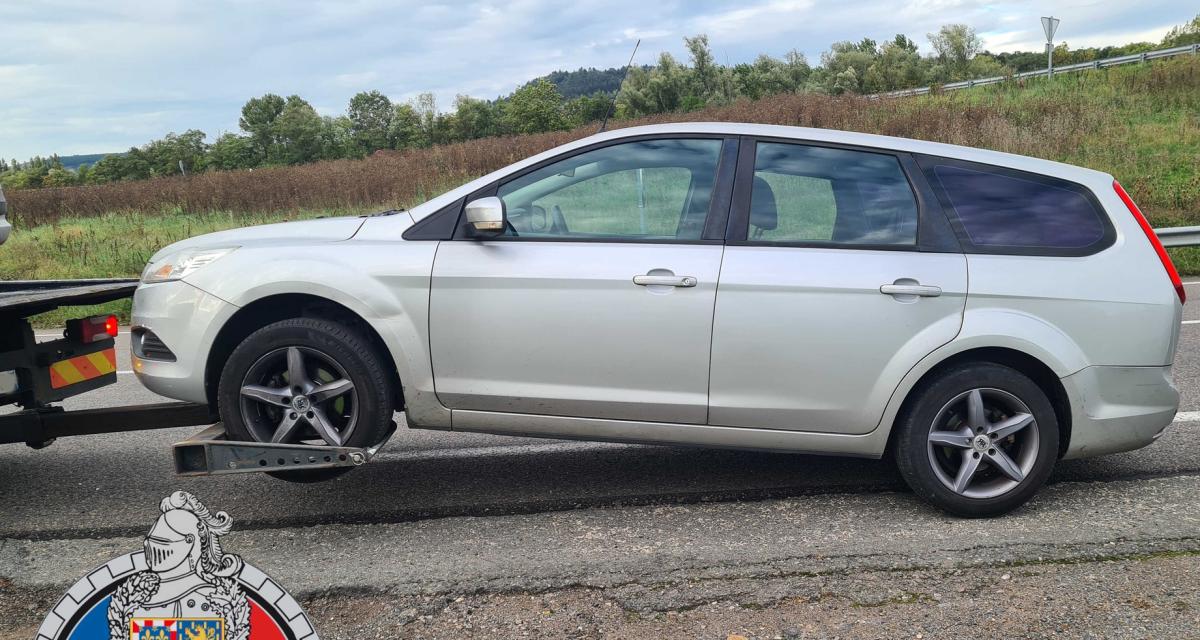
{"x": 276, "y": 130}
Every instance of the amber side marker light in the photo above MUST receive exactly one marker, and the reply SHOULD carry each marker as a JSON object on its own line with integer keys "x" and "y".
{"x": 1154, "y": 241}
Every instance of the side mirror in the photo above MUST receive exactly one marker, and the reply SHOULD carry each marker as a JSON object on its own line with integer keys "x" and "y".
{"x": 486, "y": 216}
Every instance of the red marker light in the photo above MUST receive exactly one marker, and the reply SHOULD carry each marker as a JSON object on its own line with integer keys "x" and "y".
{"x": 92, "y": 329}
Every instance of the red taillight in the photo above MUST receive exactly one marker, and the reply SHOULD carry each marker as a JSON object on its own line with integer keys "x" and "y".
{"x": 93, "y": 329}
{"x": 1154, "y": 242}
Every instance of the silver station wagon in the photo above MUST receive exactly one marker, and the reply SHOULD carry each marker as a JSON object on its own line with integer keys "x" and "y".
{"x": 976, "y": 315}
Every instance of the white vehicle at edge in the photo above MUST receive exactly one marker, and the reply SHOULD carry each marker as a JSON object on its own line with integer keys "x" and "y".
{"x": 978, "y": 315}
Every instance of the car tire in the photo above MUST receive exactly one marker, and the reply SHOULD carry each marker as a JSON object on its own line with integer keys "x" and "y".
{"x": 977, "y": 463}
{"x": 330, "y": 353}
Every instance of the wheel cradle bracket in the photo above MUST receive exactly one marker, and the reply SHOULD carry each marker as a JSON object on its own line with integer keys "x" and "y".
{"x": 211, "y": 453}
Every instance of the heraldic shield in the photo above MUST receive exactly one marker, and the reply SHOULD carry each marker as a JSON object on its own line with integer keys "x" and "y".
{"x": 182, "y": 585}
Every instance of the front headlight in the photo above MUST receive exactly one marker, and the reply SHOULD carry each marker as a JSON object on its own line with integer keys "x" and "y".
{"x": 181, "y": 264}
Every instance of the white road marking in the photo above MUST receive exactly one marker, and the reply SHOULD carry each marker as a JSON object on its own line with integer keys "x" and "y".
{"x": 1187, "y": 416}
{"x": 1191, "y": 322}
{"x": 1188, "y": 284}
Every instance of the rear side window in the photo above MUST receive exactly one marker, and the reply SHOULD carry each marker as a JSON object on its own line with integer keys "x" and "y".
{"x": 817, "y": 195}
{"x": 1006, "y": 211}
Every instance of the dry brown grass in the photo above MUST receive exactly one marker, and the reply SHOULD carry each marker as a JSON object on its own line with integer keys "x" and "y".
{"x": 1055, "y": 122}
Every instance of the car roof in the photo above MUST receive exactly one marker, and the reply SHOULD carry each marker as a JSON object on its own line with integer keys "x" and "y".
{"x": 798, "y": 134}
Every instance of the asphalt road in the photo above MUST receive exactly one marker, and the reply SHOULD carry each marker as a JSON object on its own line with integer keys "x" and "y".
{"x": 450, "y": 535}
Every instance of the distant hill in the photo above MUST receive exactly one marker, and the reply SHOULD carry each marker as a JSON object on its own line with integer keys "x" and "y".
{"x": 73, "y": 162}
{"x": 584, "y": 82}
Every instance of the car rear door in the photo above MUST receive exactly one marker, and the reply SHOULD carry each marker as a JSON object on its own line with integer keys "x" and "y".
{"x": 598, "y": 300}
{"x": 840, "y": 274}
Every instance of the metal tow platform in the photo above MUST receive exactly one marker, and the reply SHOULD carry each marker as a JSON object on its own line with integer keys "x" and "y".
{"x": 210, "y": 452}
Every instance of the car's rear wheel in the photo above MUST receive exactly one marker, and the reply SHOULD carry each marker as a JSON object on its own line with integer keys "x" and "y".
{"x": 306, "y": 381}
{"x": 977, "y": 440}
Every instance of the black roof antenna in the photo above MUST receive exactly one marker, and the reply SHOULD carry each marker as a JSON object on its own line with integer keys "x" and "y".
{"x": 612, "y": 104}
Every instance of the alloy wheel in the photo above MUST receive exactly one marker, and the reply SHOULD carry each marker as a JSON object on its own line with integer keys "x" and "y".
{"x": 983, "y": 443}
{"x": 294, "y": 394}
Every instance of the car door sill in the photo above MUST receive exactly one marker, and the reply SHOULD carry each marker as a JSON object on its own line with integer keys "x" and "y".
{"x": 869, "y": 445}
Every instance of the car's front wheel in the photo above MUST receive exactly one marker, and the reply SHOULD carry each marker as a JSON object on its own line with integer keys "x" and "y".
{"x": 306, "y": 381}
{"x": 977, "y": 440}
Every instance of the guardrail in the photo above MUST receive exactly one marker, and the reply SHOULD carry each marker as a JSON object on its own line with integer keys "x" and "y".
{"x": 1191, "y": 49}
{"x": 1179, "y": 236}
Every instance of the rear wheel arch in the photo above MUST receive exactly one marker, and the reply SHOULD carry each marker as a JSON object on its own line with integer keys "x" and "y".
{"x": 1036, "y": 370}
{"x": 274, "y": 308}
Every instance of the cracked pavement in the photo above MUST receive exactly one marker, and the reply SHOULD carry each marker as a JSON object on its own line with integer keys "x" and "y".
{"x": 464, "y": 535}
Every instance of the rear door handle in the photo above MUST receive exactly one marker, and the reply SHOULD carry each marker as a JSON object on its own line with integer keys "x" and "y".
{"x": 922, "y": 290}
{"x": 665, "y": 281}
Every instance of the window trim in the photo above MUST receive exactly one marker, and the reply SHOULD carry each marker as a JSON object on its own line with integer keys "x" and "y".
{"x": 718, "y": 205}
{"x": 934, "y": 234}
{"x": 927, "y": 164}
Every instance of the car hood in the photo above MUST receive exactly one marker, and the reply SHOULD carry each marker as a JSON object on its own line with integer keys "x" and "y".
{"x": 298, "y": 232}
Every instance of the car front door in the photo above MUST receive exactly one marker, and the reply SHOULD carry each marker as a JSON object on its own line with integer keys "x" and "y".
{"x": 598, "y": 300}
{"x": 838, "y": 278}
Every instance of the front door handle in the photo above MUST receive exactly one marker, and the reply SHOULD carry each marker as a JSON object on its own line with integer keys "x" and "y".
{"x": 665, "y": 281}
{"x": 922, "y": 290}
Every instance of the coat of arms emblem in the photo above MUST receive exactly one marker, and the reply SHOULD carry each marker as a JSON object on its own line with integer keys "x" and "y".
{"x": 182, "y": 585}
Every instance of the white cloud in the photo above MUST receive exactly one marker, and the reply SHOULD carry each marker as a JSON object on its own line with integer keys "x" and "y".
{"x": 86, "y": 76}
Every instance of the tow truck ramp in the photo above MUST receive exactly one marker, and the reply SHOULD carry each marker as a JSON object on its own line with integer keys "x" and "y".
{"x": 210, "y": 452}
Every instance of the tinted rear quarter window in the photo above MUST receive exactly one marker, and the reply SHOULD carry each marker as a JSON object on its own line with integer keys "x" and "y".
{"x": 1001, "y": 210}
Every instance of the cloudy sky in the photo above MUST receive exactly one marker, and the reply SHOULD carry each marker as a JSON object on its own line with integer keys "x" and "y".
{"x": 81, "y": 76}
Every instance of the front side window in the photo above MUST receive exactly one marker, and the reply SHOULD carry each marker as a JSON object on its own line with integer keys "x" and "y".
{"x": 645, "y": 190}
{"x": 1003, "y": 209}
{"x": 805, "y": 194}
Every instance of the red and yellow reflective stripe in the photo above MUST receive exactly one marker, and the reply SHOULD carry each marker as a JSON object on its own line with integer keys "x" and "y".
{"x": 80, "y": 368}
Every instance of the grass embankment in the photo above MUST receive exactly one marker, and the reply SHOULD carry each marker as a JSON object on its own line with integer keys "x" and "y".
{"x": 1140, "y": 123}
{"x": 113, "y": 246}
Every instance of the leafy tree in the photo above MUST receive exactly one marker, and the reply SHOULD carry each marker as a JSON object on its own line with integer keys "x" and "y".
{"x": 165, "y": 155}
{"x": 370, "y": 118}
{"x": 660, "y": 89}
{"x": 710, "y": 83}
{"x": 406, "y": 127}
{"x": 1183, "y": 34}
{"x": 474, "y": 118}
{"x": 231, "y": 151}
{"x": 586, "y": 109}
{"x": 58, "y": 177}
{"x": 429, "y": 127}
{"x": 297, "y": 133}
{"x": 337, "y": 138}
{"x": 132, "y": 165}
{"x": 769, "y": 76}
{"x": 533, "y": 108}
{"x": 258, "y": 120}
{"x": 896, "y": 66}
{"x": 846, "y": 81}
{"x": 956, "y": 45}
{"x": 847, "y": 63}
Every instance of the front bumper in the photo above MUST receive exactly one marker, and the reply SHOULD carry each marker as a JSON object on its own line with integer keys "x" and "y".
{"x": 1117, "y": 409}
{"x": 187, "y": 320}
